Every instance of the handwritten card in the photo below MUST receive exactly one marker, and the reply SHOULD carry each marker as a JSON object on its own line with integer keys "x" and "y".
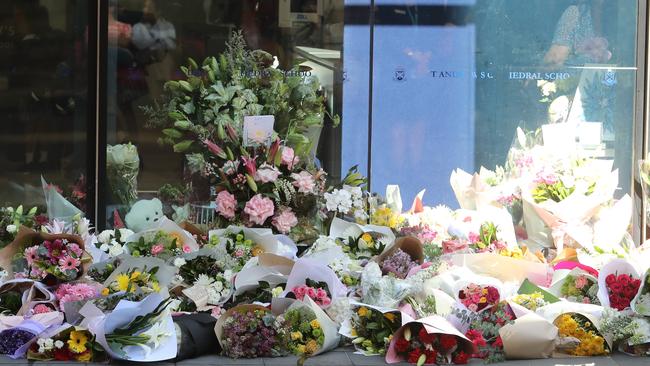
{"x": 258, "y": 130}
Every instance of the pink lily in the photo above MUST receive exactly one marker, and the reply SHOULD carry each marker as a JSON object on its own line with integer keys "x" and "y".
{"x": 215, "y": 149}
{"x": 249, "y": 164}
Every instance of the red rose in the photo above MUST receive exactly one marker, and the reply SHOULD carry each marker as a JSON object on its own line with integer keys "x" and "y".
{"x": 414, "y": 356}
{"x": 636, "y": 283}
{"x": 610, "y": 279}
{"x": 402, "y": 345}
{"x": 461, "y": 295}
{"x": 615, "y": 287}
{"x": 431, "y": 356}
{"x": 426, "y": 337}
{"x": 460, "y": 358}
{"x": 493, "y": 294}
{"x": 447, "y": 341}
{"x": 498, "y": 342}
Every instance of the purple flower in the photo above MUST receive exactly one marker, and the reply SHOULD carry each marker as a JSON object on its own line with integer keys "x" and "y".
{"x": 399, "y": 264}
{"x": 12, "y": 339}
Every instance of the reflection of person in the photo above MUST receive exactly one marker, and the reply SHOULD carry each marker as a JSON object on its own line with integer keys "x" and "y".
{"x": 576, "y": 40}
{"x": 155, "y": 38}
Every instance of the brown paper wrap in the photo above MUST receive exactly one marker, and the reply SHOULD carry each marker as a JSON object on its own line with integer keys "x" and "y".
{"x": 27, "y": 237}
{"x": 218, "y": 327}
{"x": 33, "y": 293}
{"x": 529, "y": 337}
{"x": 409, "y": 245}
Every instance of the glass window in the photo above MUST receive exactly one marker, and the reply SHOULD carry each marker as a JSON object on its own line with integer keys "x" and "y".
{"x": 43, "y": 99}
{"x": 452, "y": 80}
{"x": 149, "y": 41}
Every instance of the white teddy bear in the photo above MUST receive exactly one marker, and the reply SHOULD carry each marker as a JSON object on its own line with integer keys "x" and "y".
{"x": 144, "y": 214}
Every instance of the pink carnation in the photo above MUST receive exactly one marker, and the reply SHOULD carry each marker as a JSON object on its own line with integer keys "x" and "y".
{"x": 226, "y": 204}
{"x": 187, "y": 249}
{"x": 157, "y": 249}
{"x": 303, "y": 181}
{"x": 258, "y": 209}
{"x": 284, "y": 221}
{"x": 289, "y": 158}
{"x": 42, "y": 309}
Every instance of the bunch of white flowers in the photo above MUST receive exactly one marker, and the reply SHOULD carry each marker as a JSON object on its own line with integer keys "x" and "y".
{"x": 112, "y": 241}
{"x": 45, "y": 344}
{"x": 217, "y": 289}
{"x": 345, "y": 200}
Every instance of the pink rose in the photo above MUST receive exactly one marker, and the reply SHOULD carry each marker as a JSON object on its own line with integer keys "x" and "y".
{"x": 259, "y": 208}
{"x": 326, "y": 301}
{"x": 311, "y": 292}
{"x": 226, "y": 204}
{"x": 157, "y": 249}
{"x": 581, "y": 281}
{"x": 42, "y": 309}
{"x": 321, "y": 294}
{"x": 284, "y": 221}
{"x": 473, "y": 238}
{"x": 267, "y": 174}
{"x": 289, "y": 158}
{"x": 187, "y": 249}
{"x": 303, "y": 181}
{"x": 299, "y": 292}
{"x": 239, "y": 253}
{"x": 451, "y": 246}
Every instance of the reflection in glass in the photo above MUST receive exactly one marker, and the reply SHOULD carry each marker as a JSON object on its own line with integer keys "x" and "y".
{"x": 43, "y": 91}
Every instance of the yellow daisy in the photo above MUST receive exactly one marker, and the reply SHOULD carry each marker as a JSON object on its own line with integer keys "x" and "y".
{"x": 77, "y": 341}
{"x": 123, "y": 282}
{"x": 315, "y": 324}
{"x": 363, "y": 311}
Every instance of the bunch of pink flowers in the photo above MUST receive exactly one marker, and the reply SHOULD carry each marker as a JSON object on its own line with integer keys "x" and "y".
{"x": 476, "y": 297}
{"x": 57, "y": 258}
{"x": 68, "y": 292}
{"x": 319, "y": 295}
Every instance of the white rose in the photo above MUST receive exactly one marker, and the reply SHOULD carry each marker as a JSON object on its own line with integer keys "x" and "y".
{"x": 116, "y": 250}
{"x": 179, "y": 262}
{"x": 105, "y": 236}
{"x": 58, "y": 344}
{"x": 11, "y": 229}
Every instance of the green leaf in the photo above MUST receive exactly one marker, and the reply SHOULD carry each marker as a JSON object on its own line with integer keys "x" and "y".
{"x": 176, "y": 116}
{"x": 173, "y": 133}
{"x": 183, "y": 125}
{"x": 192, "y": 63}
{"x": 238, "y": 103}
{"x": 188, "y": 107}
{"x": 182, "y": 146}
{"x": 185, "y": 85}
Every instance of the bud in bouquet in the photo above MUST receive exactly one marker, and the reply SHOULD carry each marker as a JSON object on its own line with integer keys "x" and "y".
{"x": 215, "y": 149}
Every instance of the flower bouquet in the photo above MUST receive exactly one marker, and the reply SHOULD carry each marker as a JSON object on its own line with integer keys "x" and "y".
{"x": 631, "y": 332}
{"x": 249, "y": 331}
{"x": 484, "y": 330}
{"x": 243, "y": 244}
{"x": 72, "y": 292}
{"x": 309, "y": 330}
{"x": 430, "y": 340}
{"x": 207, "y": 276}
{"x": 308, "y": 276}
{"x": 70, "y": 344}
{"x": 641, "y": 302}
{"x": 327, "y": 250}
{"x": 133, "y": 330}
{"x": 122, "y": 167}
{"x": 618, "y": 284}
{"x": 272, "y": 270}
{"x": 56, "y": 260}
{"x": 20, "y": 296}
{"x": 111, "y": 243}
{"x": 477, "y": 298}
{"x": 405, "y": 255}
{"x": 576, "y": 285}
{"x": 371, "y": 328}
{"x": 15, "y": 341}
{"x": 361, "y": 242}
{"x": 165, "y": 241}
{"x": 580, "y": 327}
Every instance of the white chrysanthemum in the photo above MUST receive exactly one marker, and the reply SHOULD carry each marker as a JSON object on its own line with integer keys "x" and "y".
{"x": 179, "y": 262}
{"x": 204, "y": 280}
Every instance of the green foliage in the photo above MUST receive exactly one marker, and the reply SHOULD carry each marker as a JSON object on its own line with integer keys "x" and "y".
{"x": 218, "y": 94}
